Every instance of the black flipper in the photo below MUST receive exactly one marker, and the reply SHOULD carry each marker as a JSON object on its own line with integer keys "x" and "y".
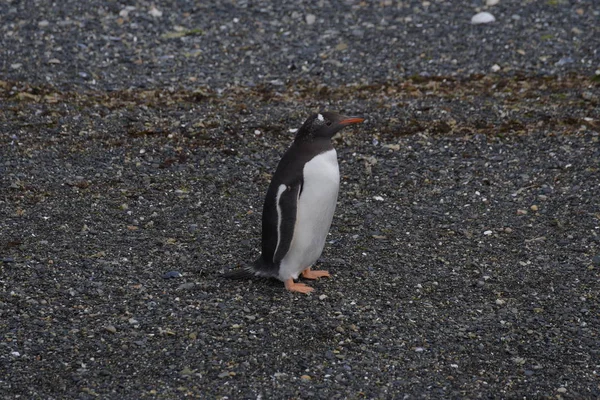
{"x": 288, "y": 207}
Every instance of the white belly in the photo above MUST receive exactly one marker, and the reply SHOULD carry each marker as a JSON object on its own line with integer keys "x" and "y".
{"x": 315, "y": 209}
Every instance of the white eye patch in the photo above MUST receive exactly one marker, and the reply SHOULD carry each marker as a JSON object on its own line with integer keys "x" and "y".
{"x": 320, "y": 118}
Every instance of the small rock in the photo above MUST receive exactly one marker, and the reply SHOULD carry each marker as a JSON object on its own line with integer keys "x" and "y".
{"x": 596, "y": 261}
{"x": 542, "y": 197}
{"x": 487, "y": 233}
{"x": 521, "y": 212}
{"x": 587, "y": 95}
{"x": 7, "y": 260}
{"x": 322, "y": 297}
{"x": 482, "y": 18}
{"x": 172, "y": 275}
{"x": 341, "y": 46}
{"x": 378, "y": 198}
{"x": 187, "y": 371}
{"x": 305, "y": 378}
{"x": 54, "y": 61}
{"x": 534, "y": 208}
{"x": 496, "y": 68}
{"x": 43, "y": 24}
{"x": 224, "y": 374}
{"x": 508, "y": 230}
{"x": 500, "y": 302}
{"x": 564, "y": 61}
{"x": 311, "y": 19}
{"x": 490, "y": 3}
{"x": 186, "y": 286}
{"x": 155, "y": 12}
{"x": 561, "y": 390}
{"x": 419, "y": 349}
{"x": 110, "y": 328}
{"x": 16, "y": 66}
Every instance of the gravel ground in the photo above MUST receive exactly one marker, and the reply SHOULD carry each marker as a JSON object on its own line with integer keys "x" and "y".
{"x": 136, "y": 146}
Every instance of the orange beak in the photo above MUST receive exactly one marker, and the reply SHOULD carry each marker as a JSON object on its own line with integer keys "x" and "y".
{"x": 351, "y": 120}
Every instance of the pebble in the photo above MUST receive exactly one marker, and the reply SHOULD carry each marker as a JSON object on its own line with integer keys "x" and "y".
{"x": 155, "y": 12}
{"x": 596, "y": 261}
{"x": 487, "y": 233}
{"x": 7, "y": 260}
{"x": 508, "y": 230}
{"x": 305, "y": 378}
{"x": 322, "y": 297}
{"x": 496, "y": 68}
{"x": 311, "y": 19}
{"x": 482, "y": 18}
{"x": 564, "y": 61}
{"x": 490, "y": 3}
{"x": 521, "y": 212}
{"x": 561, "y": 390}
{"x": 172, "y": 274}
{"x": 534, "y": 208}
{"x": 542, "y": 197}
{"x": 500, "y": 302}
{"x": 110, "y": 328}
{"x": 186, "y": 286}
{"x": 224, "y": 374}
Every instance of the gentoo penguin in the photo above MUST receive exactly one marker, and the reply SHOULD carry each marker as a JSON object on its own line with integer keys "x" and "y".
{"x": 299, "y": 205}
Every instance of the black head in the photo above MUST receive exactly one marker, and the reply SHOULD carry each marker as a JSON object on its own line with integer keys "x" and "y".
{"x": 324, "y": 125}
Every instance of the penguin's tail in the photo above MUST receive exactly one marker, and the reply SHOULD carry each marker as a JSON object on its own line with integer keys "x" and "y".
{"x": 246, "y": 272}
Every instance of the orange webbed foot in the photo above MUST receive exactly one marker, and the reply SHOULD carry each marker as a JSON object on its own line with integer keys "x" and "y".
{"x": 297, "y": 287}
{"x": 309, "y": 274}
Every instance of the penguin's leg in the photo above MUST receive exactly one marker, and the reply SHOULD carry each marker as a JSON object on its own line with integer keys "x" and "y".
{"x": 297, "y": 287}
{"x": 309, "y": 274}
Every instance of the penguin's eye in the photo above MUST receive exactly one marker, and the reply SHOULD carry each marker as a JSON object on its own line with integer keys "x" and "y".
{"x": 328, "y": 123}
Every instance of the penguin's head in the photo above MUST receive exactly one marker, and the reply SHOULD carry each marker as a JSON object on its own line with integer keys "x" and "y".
{"x": 324, "y": 125}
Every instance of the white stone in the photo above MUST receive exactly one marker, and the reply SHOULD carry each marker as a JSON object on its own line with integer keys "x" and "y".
{"x": 487, "y": 233}
{"x": 490, "y": 3}
{"x": 378, "y": 198}
{"x": 155, "y": 12}
{"x": 496, "y": 68}
{"x": 482, "y": 18}
{"x": 311, "y": 19}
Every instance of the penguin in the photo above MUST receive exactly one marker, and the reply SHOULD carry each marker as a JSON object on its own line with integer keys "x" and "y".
{"x": 299, "y": 205}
